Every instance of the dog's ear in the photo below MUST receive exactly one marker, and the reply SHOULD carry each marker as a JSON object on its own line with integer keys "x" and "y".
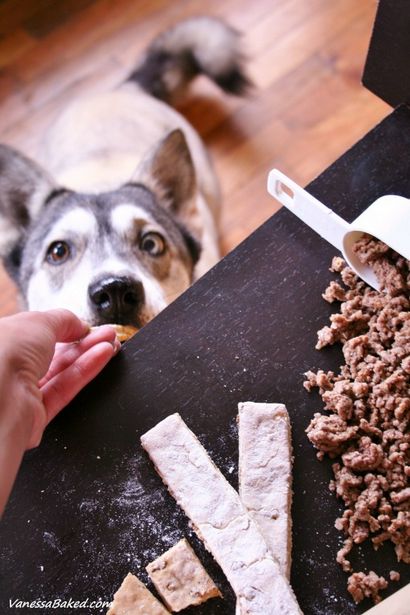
{"x": 23, "y": 188}
{"x": 169, "y": 172}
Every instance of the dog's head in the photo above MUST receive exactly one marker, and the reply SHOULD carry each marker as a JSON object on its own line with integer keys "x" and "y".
{"x": 118, "y": 256}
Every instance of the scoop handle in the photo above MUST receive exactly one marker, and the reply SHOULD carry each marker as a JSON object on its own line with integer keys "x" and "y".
{"x": 320, "y": 218}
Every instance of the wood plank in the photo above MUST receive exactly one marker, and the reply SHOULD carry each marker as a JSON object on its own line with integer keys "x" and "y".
{"x": 14, "y": 12}
{"x": 14, "y": 45}
{"x": 53, "y": 15}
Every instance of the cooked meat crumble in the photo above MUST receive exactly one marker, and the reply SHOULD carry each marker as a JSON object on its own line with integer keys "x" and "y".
{"x": 366, "y": 426}
{"x": 362, "y": 586}
{"x": 391, "y": 269}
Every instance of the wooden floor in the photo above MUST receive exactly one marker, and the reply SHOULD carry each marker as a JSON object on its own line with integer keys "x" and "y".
{"x": 305, "y": 59}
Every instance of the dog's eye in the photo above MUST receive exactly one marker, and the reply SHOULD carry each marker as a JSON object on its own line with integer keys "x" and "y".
{"x": 153, "y": 243}
{"x": 58, "y": 252}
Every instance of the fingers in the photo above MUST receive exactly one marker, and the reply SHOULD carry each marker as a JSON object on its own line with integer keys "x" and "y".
{"x": 66, "y": 354}
{"x": 65, "y": 326}
{"x": 65, "y": 385}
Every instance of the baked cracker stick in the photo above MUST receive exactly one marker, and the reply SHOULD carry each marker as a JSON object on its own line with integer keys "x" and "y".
{"x": 265, "y": 474}
{"x": 220, "y": 519}
{"x": 133, "y": 598}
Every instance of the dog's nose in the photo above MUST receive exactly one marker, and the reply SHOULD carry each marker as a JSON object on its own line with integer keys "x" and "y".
{"x": 117, "y": 299}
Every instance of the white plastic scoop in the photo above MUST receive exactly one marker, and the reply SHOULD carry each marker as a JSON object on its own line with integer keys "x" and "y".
{"x": 387, "y": 219}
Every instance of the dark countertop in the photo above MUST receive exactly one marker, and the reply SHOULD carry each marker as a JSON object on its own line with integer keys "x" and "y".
{"x": 88, "y": 506}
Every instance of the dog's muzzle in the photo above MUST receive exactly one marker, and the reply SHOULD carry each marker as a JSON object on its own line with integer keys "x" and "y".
{"x": 116, "y": 300}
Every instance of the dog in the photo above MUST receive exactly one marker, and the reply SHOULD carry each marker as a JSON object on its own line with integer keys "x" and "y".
{"x": 120, "y": 214}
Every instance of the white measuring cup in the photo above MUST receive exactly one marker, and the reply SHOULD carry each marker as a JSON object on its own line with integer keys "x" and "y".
{"x": 387, "y": 219}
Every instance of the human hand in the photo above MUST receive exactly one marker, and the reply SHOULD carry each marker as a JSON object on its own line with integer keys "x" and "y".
{"x": 47, "y": 358}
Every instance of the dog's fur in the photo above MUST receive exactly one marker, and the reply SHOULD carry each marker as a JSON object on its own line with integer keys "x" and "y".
{"x": 120, "y": 214}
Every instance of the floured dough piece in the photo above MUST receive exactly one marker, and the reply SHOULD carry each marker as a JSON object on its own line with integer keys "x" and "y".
{"x": 397, "y": 604}
{"x": 133, "y": 598}
{"x": 124, "y": 332}
{"x": 265, "y": 474}
{"x": 220, "y": 519}
{"x": 180, "y": 578}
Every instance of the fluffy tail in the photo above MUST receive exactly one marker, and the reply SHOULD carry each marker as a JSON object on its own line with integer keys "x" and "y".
{"x": 200, "y": 45}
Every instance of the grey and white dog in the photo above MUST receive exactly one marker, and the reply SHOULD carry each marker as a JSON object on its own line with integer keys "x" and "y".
{"x": 120, "y": 214}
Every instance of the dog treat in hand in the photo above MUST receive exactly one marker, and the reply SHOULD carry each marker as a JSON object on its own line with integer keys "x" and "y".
{"x": 265, "y": 474}
{"x": 133, "y": 598}
{"x": 124, "y": 332}
{"x": 180, "y": 578}
{"x": 220, "y": 519}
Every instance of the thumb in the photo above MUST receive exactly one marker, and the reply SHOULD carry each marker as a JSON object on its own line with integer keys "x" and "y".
{"x": 65, "y": 326}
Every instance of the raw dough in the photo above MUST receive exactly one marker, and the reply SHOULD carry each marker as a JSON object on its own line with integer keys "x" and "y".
{"x": 265, "y": 474}
{"x": 220, "y": 519}
{"x": 180, "y": 578}
{"x": 133, "y": 598}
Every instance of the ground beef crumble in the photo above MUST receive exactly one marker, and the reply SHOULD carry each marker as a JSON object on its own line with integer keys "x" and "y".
{"x": 362, "y": 585}
{"x": 391, "y": 269}
{"x": 366, "y": 424}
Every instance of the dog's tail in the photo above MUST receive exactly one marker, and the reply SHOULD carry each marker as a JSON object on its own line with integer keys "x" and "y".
{"x": 200, "y": 45}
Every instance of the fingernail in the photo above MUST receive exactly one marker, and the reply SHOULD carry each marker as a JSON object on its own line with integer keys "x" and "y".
{"x": 116, "y": 346}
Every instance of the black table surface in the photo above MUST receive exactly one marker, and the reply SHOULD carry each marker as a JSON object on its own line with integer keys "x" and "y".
{"x": 88, "y": 506}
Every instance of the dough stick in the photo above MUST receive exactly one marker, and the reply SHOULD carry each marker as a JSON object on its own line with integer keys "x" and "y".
{"x": 133, "y": 598}
{"x": 220, "y": 519}
{"x": 265, "y": 474}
